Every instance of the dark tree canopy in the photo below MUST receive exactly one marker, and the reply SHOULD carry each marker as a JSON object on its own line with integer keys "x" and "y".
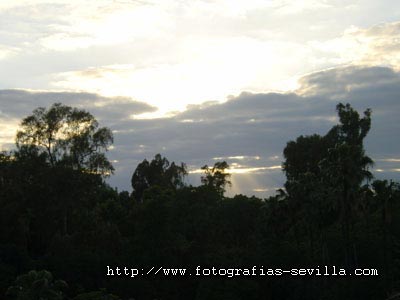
{"x": 304, "y": 155}
{"x": 68, "y": 137}
{"x": 216, "y": 177}
{"x": 37, "y": 285}
{"x": 342, "y": 147}
{"x": 325, "y": 173}
{"x": 58, "y": 214}
{"x": 159, "y": 172}
{"x": 352, "y": 129}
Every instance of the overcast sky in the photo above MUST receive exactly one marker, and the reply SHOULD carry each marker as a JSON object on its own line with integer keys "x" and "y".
{"x": 200, "y": 81}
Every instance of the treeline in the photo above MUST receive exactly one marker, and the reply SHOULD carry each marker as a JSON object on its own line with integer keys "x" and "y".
{"x": 61, "y": 224}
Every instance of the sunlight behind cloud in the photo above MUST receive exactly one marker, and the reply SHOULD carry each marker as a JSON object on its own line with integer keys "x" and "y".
{"x": 206, "y": 69}
{"x": 242, "y": 170}
{"x": 175, "y": 53}
{"x": 8, "y": 129}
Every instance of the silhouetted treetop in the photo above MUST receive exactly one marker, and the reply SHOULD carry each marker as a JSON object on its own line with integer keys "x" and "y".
{"x": 216, "y": 177}
{"x": 352, "y": 129}
{"x": 58, "y": 214}
{"x": 67, "y": 136}
{"x": 158, "y": 172}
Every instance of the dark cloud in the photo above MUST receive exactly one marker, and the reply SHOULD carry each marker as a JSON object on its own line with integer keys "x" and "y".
{"x": 19, "y": 103}
{"x": 262, "y": 124}
{"x": 340, "y": 82}
{"x": 256, "y": 126}
{"x": 377, "y": 88}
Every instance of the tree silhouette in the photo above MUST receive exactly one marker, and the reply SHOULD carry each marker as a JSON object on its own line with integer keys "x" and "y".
{"x": 68, "y": 137}
{"x": 215, "y": 177}
{"x": 58, "y": 213}
{"x": 385, "y": 193}
{"x": 346, "y": 166}
{"x": 159, "y": 172}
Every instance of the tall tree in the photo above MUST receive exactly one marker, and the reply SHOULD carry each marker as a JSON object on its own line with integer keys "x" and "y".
{"x": 325, "y": 173}
{"x": 347, "y": 166}
{"x": 72, "y": 144}
{"x": 67, "y": 136}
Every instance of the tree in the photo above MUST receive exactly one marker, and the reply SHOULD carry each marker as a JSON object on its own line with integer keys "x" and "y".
{"x": 216, "y": 177}
{"x": 158, "y": 172}
{"x": 71, "y": 147}
{"x": 352, "y": 129}
{"x": 304, "y": 155}
{"x": 325, "y": 173}
{"x": 342, "y": 144}
{"x": 37, "y": 285}
{"x": 385, "y": 193}
{"x": 347, "y": 166}
{"x": 68, "y": 137}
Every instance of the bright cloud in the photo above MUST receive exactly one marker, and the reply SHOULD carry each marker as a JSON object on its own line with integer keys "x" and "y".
{"x": 6, "y": 52}
{"x": 242, "y": 170}
{"x": 112, "y": 26}
{"x": 207, "y": 70}
{"x": 197, "y": 78}
{"x": 377, "y": 45}
{"x": 175, "y": 53}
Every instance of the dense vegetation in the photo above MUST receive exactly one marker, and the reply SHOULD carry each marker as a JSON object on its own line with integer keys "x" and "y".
{"x": 61, "y": 224}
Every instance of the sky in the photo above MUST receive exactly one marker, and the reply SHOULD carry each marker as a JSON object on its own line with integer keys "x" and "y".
{"x": 206, "y": 80}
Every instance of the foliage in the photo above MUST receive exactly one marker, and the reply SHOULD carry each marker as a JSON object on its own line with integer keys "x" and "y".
{"x": 56, "y": 215}
{"x": 158, "y": 172}
{"x": 215, "y": 177}
{"x": 37, "y": 285}
{"x": 67, "y": 136}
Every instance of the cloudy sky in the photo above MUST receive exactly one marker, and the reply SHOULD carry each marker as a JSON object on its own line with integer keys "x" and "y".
{"x": 206, "y": 80}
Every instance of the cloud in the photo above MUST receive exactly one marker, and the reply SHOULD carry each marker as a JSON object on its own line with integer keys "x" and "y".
{"x": 112, "y": 24}
{"x": 296, "y": 7}
{"x": 17, "y": 104}
{"x": 174, "y": 53}
{"x": 249, "y": 131}
{"x": 199, "y": 69}
{"x": 380, "y": 44}
{"x": 6, "y": 51}
{"x": 210, "y": 67}
{"x": 377, "y": 88}
{"x": 337, "y": 83}
{"x": 375, "y": 45}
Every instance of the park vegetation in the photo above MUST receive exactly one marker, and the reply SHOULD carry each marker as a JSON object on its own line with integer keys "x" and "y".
{"x": 61, "y": 224}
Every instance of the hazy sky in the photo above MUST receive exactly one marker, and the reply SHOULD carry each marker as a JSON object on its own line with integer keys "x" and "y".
{"x": 202, "y": 80}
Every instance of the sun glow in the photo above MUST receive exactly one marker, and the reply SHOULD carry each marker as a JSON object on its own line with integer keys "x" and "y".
{"x": 8, "y": 130}
{"x": 237, "y": 169}
{"x": 203, "y": 69}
